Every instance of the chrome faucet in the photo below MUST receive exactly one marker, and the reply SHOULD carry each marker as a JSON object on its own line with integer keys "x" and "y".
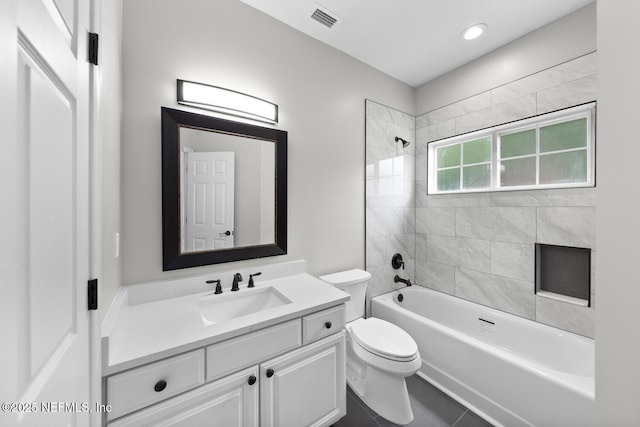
{"x": 400, "y": 279}
{"x": 236, "y": 279}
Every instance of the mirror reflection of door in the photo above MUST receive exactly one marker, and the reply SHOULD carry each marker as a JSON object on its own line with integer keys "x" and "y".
{"x": 209, "y": 210}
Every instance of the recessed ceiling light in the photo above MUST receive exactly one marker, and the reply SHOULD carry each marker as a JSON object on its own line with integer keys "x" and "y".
{"x": 474, "y": 31}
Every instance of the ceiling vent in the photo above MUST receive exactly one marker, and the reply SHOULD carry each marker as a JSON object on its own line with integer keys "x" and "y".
{"x": 325, "y": 17}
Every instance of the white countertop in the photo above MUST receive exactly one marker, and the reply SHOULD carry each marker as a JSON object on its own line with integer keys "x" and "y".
{"x": 148, "y": 331}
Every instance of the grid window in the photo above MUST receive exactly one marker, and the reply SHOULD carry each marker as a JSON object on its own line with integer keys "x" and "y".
{"x": 553, "y": 150}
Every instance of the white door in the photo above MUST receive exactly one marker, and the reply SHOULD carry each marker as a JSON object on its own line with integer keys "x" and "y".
{"x": 306, "y": 387}
{"x": 45, "y": 212}
{"x": 210, "y": 197}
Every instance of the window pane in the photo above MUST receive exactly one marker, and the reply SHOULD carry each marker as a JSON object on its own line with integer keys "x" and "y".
{"x": 476, "y": 151}
{"x": 449, "y": 179}
{"x": 476, "y": 176}
{"x": 518, "y": 172}
{"x": 563, "y": 167}
{"x": 518, "y": 144}
{"x": 562, "y": 136}
{"x": 448, "y": 156}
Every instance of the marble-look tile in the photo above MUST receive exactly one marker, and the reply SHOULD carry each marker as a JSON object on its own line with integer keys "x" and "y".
{"x": 580, "y": 67}
{"x": 421, "y": 167}
{"x": 385, "y": 221}
{"x": 435, "y": 276}
{"x": 524, "y": 86}
{"x": 437, "y": 131}
{"x": 381, "y": 280}
{"x": 505, "y": 112}
{"x": 473, "y": 254}
{"x": 442, "y": 249}
{"x": 376, "y": 248}
{"x": 421, "y": 147}
{"x": 567, "y": 226}
{"x": 421, "y": 246}
{"x": 459, "y": 200}
{"x": 421, "y": 121}
{"x": 516, "y": 225}
{"x": 515, "y": 260}
{"x": 403, "y": 244}
{"x": 551, "y": 197}
{"x": 381, "y": 113}
{"x": 420, "y": 196}
{"x": 502, "y": 293}
{"x": 568, "y": 94}
{"x": 440, "y": 221}
{"x": 460, "y": 108}
{"x": 567, "y": 316}
{"x": 563, "y": 73}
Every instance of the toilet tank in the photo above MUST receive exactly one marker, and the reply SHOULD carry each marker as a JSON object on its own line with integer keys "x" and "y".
{"x": 354, "y": 282}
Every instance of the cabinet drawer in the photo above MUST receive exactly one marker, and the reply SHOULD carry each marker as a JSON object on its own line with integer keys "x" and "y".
{"x": 322, "y": 324}
{"x": 152, "y": 383}
{"x": 250, "y": 349}
{"x": 230, "y": 401}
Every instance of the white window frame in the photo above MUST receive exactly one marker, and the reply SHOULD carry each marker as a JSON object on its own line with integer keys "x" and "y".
{"x": 494, "y": 133}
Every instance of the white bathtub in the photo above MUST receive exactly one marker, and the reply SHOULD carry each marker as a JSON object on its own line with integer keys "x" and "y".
{"x": 511, "y": 371}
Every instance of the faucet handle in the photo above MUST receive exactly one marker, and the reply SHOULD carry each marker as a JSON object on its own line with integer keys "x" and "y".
{"x": 251, "y": 284}
{"x": 218, "y": 285}
{"x": 236, "y": 278}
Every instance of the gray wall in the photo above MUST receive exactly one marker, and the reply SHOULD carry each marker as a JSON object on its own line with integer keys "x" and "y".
{"x": 561, "y": 40}
{"x": 320, "y": 92}
{"x": 617, "y": 226}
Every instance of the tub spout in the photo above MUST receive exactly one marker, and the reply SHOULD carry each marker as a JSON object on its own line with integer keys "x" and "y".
{"x": 400, "y": 279}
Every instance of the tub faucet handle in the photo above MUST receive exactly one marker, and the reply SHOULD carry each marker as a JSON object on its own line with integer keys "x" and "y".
{"x": 397, "y": 262}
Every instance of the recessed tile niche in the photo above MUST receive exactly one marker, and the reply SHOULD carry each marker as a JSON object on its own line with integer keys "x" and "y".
{"x": 564, "y": 272}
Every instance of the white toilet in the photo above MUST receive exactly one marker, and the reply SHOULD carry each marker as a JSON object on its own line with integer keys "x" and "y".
{"x": 379, "y": 354}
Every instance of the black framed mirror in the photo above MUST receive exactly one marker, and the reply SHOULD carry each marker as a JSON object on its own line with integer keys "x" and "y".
{"x": 224, "y": 190}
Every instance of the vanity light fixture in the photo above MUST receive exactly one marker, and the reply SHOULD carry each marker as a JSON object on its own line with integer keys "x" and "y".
{"x": 226, "y": 101}
{"x": 474, "y": 31}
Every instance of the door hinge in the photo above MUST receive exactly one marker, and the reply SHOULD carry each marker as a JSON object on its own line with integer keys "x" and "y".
{"x": 93, "y": 48}
{"x": 92, "y": 294}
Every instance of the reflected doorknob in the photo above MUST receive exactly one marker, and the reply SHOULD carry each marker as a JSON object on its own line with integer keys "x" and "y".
{"x": 226, "y": 233}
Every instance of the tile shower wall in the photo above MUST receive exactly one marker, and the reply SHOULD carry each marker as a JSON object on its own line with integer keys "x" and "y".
{"x": 390, "y": 190}
{"x": 480, "y": 246}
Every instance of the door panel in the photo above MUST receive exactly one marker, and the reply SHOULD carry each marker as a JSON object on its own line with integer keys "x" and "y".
{"x": 210, "y": 200}
{"x": 47, "y": 196}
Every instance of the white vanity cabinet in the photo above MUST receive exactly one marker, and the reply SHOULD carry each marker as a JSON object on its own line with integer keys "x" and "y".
{"x": 231, "y": 401}
{"x": 289, "y": 374}
{"x": 305, "y": 387}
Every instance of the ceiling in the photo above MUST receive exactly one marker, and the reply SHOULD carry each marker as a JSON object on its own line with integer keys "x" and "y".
{"x": 415, "y": 41}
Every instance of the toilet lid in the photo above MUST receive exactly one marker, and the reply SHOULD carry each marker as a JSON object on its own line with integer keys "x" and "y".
{"x": 384, "y": 339}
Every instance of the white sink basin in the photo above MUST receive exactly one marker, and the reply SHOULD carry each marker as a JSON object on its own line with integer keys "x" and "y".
{"x": 231, "y": 305}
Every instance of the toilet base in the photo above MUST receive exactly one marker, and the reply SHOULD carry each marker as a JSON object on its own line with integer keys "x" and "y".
{"x": 382, "y": 391}
{"x": 387, "y": 395}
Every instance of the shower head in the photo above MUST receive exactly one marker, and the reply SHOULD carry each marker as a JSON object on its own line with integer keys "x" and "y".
{"x": 405, "y": 143}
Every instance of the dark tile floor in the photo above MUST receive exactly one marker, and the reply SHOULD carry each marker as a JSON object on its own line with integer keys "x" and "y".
{"x": 431, "y": 408}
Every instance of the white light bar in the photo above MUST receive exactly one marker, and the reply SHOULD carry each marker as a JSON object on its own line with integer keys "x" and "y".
{"x": 226, "y": 101}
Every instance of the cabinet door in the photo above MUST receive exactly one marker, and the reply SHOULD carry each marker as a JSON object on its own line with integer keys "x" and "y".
{"x": 305, "y": 387}
{"x": 229, "y": 402}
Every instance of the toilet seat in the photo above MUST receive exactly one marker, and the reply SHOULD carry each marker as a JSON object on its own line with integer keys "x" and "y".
{"x": 384, "y": 339}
